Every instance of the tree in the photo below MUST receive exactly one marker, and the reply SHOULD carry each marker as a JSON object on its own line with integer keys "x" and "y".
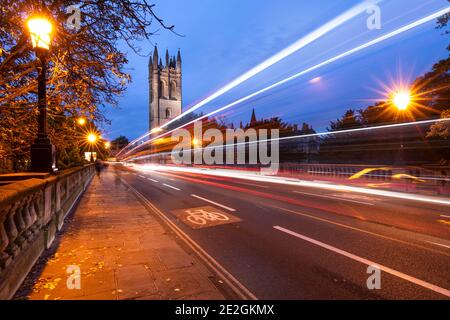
{"x": 443, "y": 21}
{"x": 118, "y": 144}
{"x": 86, "y": 69}
{"x": 306, "y": 129}
{"x": 437, "y": 82}
{"x": 440, "y": 129}
{"x": 349, "y": 120}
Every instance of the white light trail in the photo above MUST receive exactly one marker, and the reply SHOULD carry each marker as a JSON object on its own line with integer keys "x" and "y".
{"x": 353, "y": 12}
{"x": 297, "y": 75}
{"x": 299, "y": 44}
{"x": 238, "y": 174}
{"x": 319, "y": 134}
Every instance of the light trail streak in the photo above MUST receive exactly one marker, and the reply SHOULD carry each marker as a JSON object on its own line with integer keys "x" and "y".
{"x": 299, "y": 44}
{"x": 329, "y": 26}
{"x": 296, "y": 182}
{"x": 386, "y": 126}
{"x": 317, "y": 66}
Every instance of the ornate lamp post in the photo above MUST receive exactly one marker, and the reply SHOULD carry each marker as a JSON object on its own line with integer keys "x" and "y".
{"x": 42, "y": 151}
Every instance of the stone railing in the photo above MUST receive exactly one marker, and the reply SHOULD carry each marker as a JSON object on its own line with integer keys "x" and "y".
{"x": 31, "y": 212}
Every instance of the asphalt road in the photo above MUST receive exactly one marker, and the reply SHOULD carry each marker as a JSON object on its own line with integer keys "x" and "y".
{"x": 306, "y": 243}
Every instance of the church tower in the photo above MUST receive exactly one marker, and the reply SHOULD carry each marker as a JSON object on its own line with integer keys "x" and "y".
{"x": 165, "y": 88}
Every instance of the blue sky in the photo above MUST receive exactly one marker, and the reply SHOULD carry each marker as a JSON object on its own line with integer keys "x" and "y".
{"x": 223, "y": 39}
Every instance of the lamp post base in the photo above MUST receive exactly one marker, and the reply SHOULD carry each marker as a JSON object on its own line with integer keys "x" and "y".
{"x": 43, "y": 156}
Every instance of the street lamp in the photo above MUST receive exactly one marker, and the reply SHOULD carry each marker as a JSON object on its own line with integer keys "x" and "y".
{"x": 107, "y": 145}
{"x": 81, "y": 121}
{"x": 402, "y": 99}
{"x": 91, "y": 139}
{"x": 40, "y": 31}
{"x": 195, "y": 142}
{"x": 43, "y": 157}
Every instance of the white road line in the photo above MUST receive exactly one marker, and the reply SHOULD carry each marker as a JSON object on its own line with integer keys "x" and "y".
{"x": 169, "y": 186}
{"x": 444, "y": 216}
{"x": 213, "y": 202}
{"x": 143, "y": 177}
{"x": 358, "y": 229}
{"x": 439, "y": 244}
{"x": 335, "y": 198}
{"x": 152, "y": 180}
{"x": 393, "y": 272}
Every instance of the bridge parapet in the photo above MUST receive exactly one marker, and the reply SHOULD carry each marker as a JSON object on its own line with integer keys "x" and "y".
{"x": 31, "y": 212}
{"x": 430, "y": 179}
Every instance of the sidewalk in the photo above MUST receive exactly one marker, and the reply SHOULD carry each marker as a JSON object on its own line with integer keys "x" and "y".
{"x": 122, "y": 251}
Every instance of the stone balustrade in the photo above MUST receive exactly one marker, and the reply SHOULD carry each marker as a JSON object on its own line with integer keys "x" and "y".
{"x": 31, "y": 213}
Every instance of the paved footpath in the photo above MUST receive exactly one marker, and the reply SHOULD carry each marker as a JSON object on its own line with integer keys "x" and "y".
{"x": 122, "y": 250}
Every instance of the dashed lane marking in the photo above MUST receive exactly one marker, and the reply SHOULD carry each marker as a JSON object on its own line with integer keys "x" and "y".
{"x": 172, "y": 187}
{"x": 213, "y": 202}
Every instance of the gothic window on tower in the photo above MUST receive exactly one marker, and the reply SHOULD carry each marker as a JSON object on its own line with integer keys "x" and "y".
{"x": 168, "y": 113}
{"x": 173, "y": 90}
{"x": 163, "y": 89}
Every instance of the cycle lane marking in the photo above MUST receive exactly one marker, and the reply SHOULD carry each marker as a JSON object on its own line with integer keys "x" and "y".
{"x": 204, "y": 217}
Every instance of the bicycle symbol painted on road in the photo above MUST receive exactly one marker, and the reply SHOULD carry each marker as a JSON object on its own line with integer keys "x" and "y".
{"x": 203, "y": 217}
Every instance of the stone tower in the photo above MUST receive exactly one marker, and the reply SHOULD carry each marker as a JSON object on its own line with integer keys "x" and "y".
{"x": 165, "y": 89}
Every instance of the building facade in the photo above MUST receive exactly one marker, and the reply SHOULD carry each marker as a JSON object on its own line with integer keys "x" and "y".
{"x": 165, "y": 89}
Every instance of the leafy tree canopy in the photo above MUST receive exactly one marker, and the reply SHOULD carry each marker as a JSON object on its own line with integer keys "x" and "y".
{"x": 86, "y": 68}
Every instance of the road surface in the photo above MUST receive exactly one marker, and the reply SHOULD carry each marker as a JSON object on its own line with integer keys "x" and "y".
{"x": 289, "y": 242}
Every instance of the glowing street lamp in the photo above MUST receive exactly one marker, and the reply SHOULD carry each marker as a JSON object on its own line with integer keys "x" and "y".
{"x": 40, "y": 30}
{"x": 402, "y": 99}
{"x": 195, "y": 142}
{"x": 156, "y": 130}
{"x": 81, "y": 121}
{"x": 107, "y": 145}
{"x": 91, "y": 138}
{"x": 43, "y": 157}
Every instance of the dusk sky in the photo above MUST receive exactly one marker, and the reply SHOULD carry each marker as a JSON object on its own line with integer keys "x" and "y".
{"x": 223, "y": 39}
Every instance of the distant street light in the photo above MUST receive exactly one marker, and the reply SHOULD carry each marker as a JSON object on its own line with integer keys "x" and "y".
{"x": 156, "y": 130}
{"x": 402, "y": 99}
{"x": 81, "y": 121}
{"x": 195, "y": 142}
{"x": 91, "y": 138}
{"x": 43, "y": 157}
{"x": 107, "y": 144}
